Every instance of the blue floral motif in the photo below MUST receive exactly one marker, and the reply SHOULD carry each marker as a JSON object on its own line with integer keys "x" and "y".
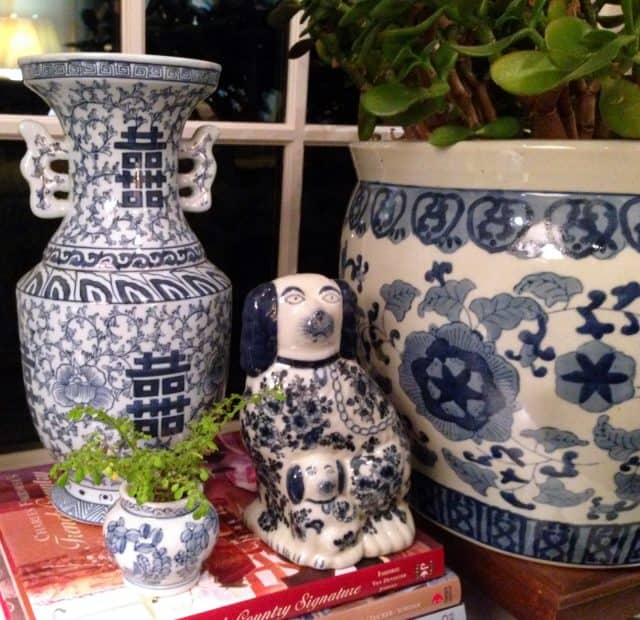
{"x": 116, "y": 536}
{"x": 595, "y": 376}
{"x": 458, "y": 382}
{"x": 81, "y": 385}
{"x": 399, "y": 296}
{"x": 196, "y": 537}
{"x": 152, "y": 563}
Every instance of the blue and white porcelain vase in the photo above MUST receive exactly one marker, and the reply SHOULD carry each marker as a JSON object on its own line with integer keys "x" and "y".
{"x": 159, "y": 546}
{"x": 124, "y": 313}
{"x": 499, "y": 284}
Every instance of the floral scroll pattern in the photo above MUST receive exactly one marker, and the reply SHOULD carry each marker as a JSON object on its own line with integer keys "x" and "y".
{"x": 466, "y": 383}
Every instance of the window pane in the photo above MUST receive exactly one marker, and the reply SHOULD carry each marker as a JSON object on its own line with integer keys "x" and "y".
{"x": 332, "y": 99}
{"x": 44, "y": 26}
{"x": 323, "y": 207}
{"x": 236, "y": 35}
{"x": 239, "y": 234}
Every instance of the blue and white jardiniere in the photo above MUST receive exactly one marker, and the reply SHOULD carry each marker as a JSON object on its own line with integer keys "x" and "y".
{"x": 499, "y": 284}
{"x": 159, "y": 546}
{"x": 124, "y": 313}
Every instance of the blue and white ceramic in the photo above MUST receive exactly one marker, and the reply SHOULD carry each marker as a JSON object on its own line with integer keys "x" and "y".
{"x": 499, "y": 289}
{"x": 159, "y": 546}
{"x": 332, "y": 458}
{"x": 124, "y": 313}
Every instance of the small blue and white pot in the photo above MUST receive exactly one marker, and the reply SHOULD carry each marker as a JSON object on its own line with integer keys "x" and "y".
{"x": 499, "y": 290}
{"x": 159, "y": 546}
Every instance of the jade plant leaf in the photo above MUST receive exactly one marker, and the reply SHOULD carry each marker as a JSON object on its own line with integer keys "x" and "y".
{"x": 557, "y": 9}
{"x": 418, "y": 112}
{"x": 526, "y": 73}
{"x": 501, "y": 129}
{"x": 565, "y": 39}
{"x": 600, "y": 59}
{"x": 449, "y": 134}
{"x": 389, "y": 9}
{"x": 393, "y": 98}
{"x": 366, "y": 123}
{"x": 281, "y": 14}
{"x": 620, "y": 107}
{"x": 300, "y": 48}
{"x": 490, "y": 49}
{"x": 356, "y": 13}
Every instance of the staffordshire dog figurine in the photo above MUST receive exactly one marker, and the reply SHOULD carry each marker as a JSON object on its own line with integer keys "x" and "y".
{"x": 331, "y": 458}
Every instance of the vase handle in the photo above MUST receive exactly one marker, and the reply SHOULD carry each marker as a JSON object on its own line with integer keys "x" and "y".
{"x": 36, "y": 168}
{"x": 199, "y": 150}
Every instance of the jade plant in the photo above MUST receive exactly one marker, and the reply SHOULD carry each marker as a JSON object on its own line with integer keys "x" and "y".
{"x": 448, "y": 70}
{"x": 153, "y": 473}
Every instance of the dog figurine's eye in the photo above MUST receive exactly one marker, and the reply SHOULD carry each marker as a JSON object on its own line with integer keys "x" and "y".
{"x": 331, "y": 297}
{"x": 293, "y": 298}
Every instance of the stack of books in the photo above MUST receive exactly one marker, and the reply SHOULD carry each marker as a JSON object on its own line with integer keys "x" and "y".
{"x": 55, "y": 568}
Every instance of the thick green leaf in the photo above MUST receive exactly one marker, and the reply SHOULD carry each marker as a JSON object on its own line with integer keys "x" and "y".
{"x": 490, "y": 49}
{"x": 526, "y": 73}
{"x": 281, "y": 14}
{"x": 449, "y": 134}
{"x": 444, "y": 60}
{"x": 367, "y": 43}
{"x": 557, "y": 9}
{"x": 366, "y": 123}
{"x": 620, "y": 107}
{"x": 513, "y": 11}
{"x": 596, "y": 39}
{"x": 300, "y": 48}
{"x": 418, "y": 112}
{"x": 502, "y": 128}
{"x": 389, "y": 9}
{"x": 396, "y": 38}
{"x": 356, "y": 13}
{"x": 393, "y": 98}
{"x": 565, "y": 42}
{"x": 600, "y": 59}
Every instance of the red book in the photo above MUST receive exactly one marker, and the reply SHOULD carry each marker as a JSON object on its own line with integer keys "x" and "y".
{"x": 422, "y": 598}
{"x": 61, "y": 568}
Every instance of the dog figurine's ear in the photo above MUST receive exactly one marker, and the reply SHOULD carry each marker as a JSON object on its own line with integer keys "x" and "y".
{"x": 259, "y": 338}
{"x": 295, "y": 484}
{"x": 341, "y": 477}
{"x": 349, "y": 330}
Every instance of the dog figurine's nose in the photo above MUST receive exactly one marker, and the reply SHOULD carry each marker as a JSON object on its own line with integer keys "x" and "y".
{"x": 319, "y": 315}
{"x": 327, "y": 487}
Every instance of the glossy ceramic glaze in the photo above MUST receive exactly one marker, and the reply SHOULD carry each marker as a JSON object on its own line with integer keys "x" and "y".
{"x": 124, "y": 313}
{"x": 159, "y": 546}
{"x": 332, "y": 457}
{"x": 499, "y": 290}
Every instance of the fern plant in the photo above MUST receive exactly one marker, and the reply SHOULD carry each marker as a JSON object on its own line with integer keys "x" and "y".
{"x": 153, "y": 474}
{"x": 448, "y": 70}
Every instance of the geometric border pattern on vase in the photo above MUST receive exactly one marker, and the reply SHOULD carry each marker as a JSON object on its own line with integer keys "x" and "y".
{"x": 120, "y": 69}
{"x": 119, "y": 288}
{"x": 524, "y": 224}
{"x": 551, "y": 541}
{"x": 157, "y": 512}
{"x": 109, "y": 259}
